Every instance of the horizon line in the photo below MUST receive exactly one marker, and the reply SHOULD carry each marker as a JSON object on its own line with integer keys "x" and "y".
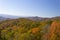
{"x": 30, "y": 16}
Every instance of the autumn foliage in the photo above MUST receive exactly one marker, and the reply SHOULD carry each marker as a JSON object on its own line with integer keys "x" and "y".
{"x": 26, "y": 29}
{"x": 35, "y": 30}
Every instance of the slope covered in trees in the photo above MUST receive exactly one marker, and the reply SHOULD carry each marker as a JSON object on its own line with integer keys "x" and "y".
{"x": 26, "y": 29}
{"x": 54, "y": 33}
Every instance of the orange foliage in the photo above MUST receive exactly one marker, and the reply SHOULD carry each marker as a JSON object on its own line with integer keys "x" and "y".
{"x": 35, "y": 30}
{"x": 14, "y": 28}
{"x": 54, "y": 29}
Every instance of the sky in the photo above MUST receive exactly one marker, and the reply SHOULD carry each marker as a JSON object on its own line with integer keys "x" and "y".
{"x": 41, "y": 8}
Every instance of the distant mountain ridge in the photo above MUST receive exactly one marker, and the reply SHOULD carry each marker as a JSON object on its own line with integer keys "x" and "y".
{"x": 8, "y": 16}
{"x": 43, "y": 19}
{"x": 4, "y": 17}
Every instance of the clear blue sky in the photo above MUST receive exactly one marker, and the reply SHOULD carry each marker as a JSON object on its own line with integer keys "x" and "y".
{"x": 42, "y": 8}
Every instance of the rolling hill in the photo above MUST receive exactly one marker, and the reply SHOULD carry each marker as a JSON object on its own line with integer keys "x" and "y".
{"x": 30, "y": 28}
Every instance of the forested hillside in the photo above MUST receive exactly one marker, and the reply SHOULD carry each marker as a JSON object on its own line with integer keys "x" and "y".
{"x": 27, "y": 29}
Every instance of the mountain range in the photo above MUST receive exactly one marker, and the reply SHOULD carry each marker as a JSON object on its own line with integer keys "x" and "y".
{"x": 29, "y": 28}
{"x": 4, "y": 17}
{"x": 8, "y": 16}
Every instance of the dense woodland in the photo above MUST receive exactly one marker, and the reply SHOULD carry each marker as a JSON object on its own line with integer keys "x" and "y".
{"x": 26, "y": 29}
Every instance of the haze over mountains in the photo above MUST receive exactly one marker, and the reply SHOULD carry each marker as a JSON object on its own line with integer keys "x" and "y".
{"x": 5, "y": 16}
{"x": 8, "y": 16}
